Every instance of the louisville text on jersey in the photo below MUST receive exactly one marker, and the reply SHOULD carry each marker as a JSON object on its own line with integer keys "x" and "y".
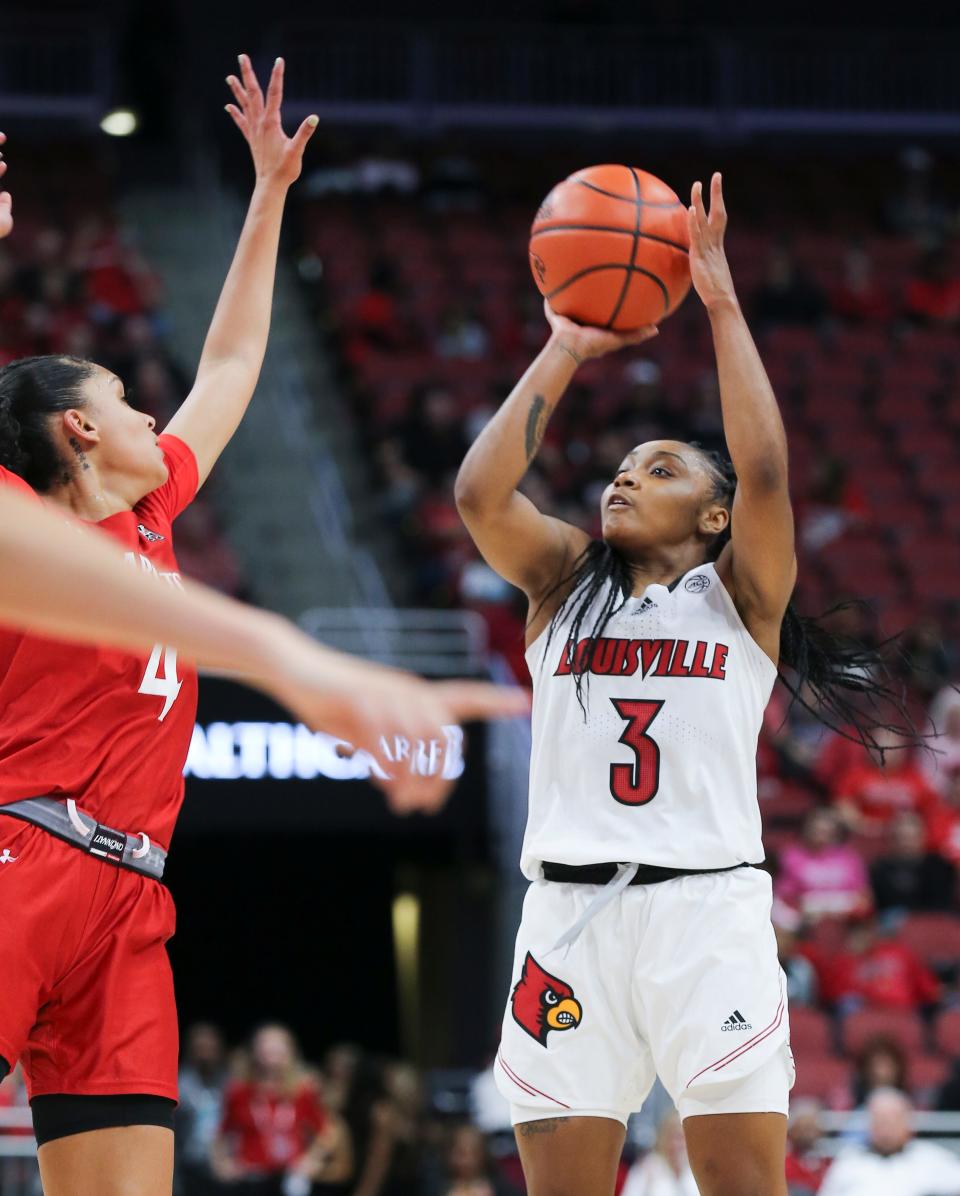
{"x": 611, "y": 657}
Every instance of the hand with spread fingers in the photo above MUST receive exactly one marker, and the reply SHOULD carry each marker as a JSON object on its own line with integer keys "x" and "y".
{"x": 276, "y": 157}
{"x": 368, "y": 706}
{"x": 6, "y": 199}
{"x": 708, "y": 260}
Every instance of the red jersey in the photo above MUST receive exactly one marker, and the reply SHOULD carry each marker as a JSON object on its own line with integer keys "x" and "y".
{"x": 107, "y": 728}
{"x": 886, "y": 976}
{"x": 879, "y": 794}
{"x": 271, "y": 1131}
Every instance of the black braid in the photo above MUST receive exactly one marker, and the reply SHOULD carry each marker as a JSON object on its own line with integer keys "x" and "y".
{"x": 31, "y": 390}
{"x": 854, "y": 690}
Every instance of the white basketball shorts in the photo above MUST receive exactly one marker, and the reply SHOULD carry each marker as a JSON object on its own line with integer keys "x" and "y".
{"x": 679, "y": 979}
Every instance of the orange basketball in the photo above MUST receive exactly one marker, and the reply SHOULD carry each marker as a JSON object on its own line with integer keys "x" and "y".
{"x": 609, "y": 247}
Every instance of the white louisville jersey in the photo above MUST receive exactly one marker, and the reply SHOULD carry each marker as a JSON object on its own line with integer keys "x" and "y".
{"x": 662, "y": 767}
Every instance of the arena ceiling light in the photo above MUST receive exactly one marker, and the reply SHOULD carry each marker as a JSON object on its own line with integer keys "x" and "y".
{"x": 120, "y": 122}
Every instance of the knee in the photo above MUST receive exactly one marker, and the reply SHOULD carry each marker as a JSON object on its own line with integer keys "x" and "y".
{"x": 724, "y": 1176}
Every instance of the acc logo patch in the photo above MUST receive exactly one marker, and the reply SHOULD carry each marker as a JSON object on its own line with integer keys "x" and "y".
{"x": 697, "y": 584}
{"x": 541, "y": 1002}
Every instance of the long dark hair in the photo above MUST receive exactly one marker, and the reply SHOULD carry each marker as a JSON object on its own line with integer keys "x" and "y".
{"x": 853, "y": 688}
{"x": 31, "y": 390}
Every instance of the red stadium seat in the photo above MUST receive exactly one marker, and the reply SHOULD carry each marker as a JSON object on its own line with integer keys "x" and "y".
{"x": 904, "y": 1026}
{"x": 825, "y": 1078}
{"x": 934, "y": 937}
{"x": 946, "y": 1032}
{"x": 809, "y": 1032}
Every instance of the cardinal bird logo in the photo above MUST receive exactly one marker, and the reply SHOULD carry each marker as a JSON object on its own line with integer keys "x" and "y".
{"x": 542, "y": 1002}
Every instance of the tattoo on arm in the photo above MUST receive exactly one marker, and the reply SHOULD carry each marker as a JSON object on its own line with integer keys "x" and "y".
{"x": 536, "y": 426}
{"x": 548, "y": 1126}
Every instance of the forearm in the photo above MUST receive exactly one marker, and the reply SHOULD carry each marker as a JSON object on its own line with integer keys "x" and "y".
{"x": 752, "y": 422}
{"x": 504, "y": 450}
{"x": 70, "y": 583}
{"x": 241, "y": 322}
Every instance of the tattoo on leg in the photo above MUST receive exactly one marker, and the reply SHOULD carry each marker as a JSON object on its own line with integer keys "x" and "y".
{"x": 548, "y": 1126}
{"x": 536, "y": 426}
{"x": 81, "y": 455}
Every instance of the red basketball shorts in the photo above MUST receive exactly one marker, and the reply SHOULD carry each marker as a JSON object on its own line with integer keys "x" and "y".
{"x": 86, "y": 990}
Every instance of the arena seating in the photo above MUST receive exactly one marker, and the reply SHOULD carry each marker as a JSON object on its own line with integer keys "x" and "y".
{"x": 70, "y": 282}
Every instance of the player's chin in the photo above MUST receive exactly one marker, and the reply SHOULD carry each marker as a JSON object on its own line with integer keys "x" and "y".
{"x": 621, "y": 528}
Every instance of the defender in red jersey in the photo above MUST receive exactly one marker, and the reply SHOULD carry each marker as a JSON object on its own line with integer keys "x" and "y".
{"x": 93, "y": 741}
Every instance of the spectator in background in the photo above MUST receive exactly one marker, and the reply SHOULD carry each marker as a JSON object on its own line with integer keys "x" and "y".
{"x": 933, "y": 293}
{"x": 833, "y": 504}
{"x": 860, "y": 298}
{"x": 432, "y": 438}
{"x": 942, "y": 759}
{"x": 909, "y": 877}
{"x": 468, "y": 1167}
{"x": 873, "y": 971}
{"x": 376, "y": 324}
{"x": 339, "y": 1068}
{"x": 462, "y": 335}
{"x": 373, "y": 1123}
{"x": 880, "y": 1063}
{"x": 787, "y": 296}
{"x": 869, "y": 795}
{"x": 893, "y": 1162}
{"x": 202, "y": 1081}
{"x": 665, "y": 1171}
{"x": 822, "y": 876}
{"x": 800, "y": 972}
{"x": 806, "y": 1166}
{"x": 943, "y": 825}
{"x": 276, "y": 1135}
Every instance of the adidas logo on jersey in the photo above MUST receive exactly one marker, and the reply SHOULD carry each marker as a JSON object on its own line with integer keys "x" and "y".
{"x": 645, "y": 606}
{"x": 736, "y": 1021}
{"x": 147, "y": 534}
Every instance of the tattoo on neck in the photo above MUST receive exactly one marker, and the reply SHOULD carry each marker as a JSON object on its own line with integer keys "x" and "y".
{"x": 549, "y": 1125}
{"x": 81, "y": 455}
{"x": 536, "y": 425}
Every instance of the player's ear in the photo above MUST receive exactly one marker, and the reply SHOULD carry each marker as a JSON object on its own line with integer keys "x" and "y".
{"x": 714, "y": 518}
{"x": 78, "y": 422}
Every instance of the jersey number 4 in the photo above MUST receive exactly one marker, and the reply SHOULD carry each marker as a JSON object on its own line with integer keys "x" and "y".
{"x": 167, "y": 686}
{"x": 637, "y": 783}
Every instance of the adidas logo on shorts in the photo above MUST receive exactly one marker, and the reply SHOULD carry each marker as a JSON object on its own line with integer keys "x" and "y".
{"x": 736, "y": 1021}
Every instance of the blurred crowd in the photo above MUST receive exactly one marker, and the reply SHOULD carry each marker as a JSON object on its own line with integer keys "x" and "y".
{"x": 77, "y": 285}
{"x": 260, "y": 1121}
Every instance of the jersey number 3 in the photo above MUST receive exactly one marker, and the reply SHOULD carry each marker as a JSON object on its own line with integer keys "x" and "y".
{"x": 167, "y": 686}
{"x": 637, "y": 783}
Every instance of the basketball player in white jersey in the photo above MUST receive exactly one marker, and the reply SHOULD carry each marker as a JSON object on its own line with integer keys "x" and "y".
{"x": 646, "y": 945}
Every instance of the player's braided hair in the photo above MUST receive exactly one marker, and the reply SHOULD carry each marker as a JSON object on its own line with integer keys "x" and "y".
{"x": 31, "y": 390}
{"x": 853, "y": 690}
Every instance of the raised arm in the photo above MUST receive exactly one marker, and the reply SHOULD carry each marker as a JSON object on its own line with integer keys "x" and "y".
{"x": 758, "y": 565}
{"x": 63, "y": 580}
{"x": 237, "y": 339}
{"x": 524, "y": 546}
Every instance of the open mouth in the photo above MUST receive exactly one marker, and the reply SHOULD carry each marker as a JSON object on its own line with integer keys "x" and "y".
{"x": 565, "y": 1019}
{"x": 617, "y": 501}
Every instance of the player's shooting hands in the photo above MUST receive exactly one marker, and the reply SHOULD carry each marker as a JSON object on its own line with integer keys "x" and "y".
{"x": 277, "y": 158}
{"x": 582, "y": 342}
{"x": 709, "y": 268}
{"x": 6, "y": 200}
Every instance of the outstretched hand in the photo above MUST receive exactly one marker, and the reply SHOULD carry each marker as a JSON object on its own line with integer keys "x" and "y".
{"x": 276, "y": 157}
{"x": 582, "y": 341}
{"x": 708, "y": 261}
{"x": 6, "y": 199}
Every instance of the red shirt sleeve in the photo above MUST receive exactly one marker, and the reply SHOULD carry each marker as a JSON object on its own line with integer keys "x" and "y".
{"x": 313, "y": 1111}
{"x": 15, "y": 482}
{"x": 180, "y": 488}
